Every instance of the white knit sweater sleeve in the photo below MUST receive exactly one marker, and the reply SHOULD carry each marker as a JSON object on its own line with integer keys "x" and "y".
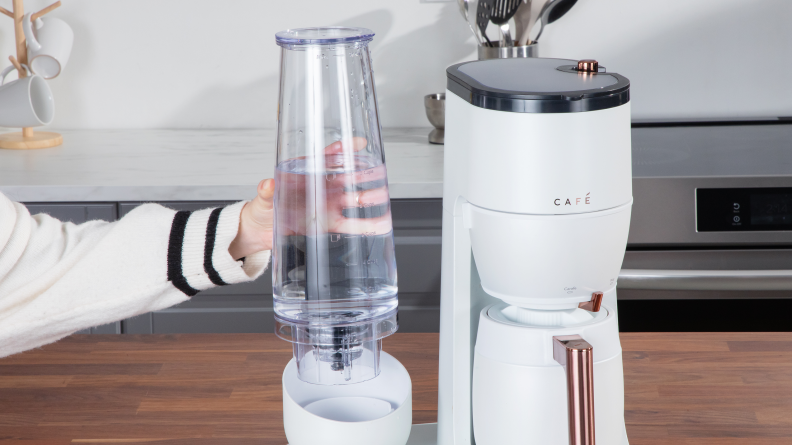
{"x": 57, "y": 278}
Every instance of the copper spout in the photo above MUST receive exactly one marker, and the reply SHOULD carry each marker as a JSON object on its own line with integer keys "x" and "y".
{"x": 577, "y": 357}
{"x": 594, "y": 304}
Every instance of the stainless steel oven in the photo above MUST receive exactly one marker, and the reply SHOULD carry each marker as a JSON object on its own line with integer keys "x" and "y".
{"x": 712, "y": 213}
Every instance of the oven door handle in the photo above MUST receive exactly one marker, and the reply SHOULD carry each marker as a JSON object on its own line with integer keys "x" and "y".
{"x": 715, "y": 280}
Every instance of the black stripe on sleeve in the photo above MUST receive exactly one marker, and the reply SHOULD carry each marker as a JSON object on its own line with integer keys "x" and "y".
{"x": 211, "y": 233}
{"x": 175, "y": 245}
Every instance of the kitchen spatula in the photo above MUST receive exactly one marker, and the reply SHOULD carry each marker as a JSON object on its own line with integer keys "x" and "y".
{"x": 503, "y": 11}
{"x": 483, "y": 14}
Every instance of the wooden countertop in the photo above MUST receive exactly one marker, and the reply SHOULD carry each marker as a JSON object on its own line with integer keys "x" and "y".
{"x": 681, "y": 388}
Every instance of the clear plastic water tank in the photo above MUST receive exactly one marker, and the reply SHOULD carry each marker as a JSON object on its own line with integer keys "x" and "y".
{"x": 334, "y": 268}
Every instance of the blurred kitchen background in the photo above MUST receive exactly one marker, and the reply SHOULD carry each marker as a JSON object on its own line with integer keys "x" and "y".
{"x": 208, "y": 64}
{"x": 144, "y": 76}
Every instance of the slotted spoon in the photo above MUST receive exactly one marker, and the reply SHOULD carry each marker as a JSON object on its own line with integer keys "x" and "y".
{"x": 502, "y": 12}
{"x": 483, "y": 14}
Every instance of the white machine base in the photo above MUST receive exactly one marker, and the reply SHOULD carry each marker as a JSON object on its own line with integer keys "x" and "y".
{"x": 423, "y": 434}
{"x": 426, "y": 434}
{"x": 377, "y": 411}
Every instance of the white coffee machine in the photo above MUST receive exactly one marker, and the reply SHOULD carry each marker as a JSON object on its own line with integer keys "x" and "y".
{"x": 537, "y": 198}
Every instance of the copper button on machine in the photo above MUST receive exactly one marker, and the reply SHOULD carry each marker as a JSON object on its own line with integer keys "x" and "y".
{"x": 588, "y": 66}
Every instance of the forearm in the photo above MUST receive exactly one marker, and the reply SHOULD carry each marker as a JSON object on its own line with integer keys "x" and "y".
{"x": 57, "y": 278}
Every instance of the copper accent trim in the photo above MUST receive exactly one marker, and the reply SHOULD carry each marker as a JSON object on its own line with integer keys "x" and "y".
{"x": 588, "y": 66}
{"x": 594, "y": 304}
{"x": 577, "y": 357}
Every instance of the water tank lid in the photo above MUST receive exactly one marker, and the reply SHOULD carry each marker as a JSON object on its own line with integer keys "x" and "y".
{"x": 322, "y": 36}
{"x": 535, "y": 85}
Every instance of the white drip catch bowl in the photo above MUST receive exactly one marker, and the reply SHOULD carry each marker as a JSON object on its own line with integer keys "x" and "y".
{"x": 377, "y": 411}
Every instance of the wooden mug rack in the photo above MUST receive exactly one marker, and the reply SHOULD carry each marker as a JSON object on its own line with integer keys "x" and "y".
{"x": 26, "y": 139}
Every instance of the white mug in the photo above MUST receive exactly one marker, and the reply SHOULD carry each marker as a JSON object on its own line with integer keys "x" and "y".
{"x": 25, "y": 102}
{"x": 49, "y": 45}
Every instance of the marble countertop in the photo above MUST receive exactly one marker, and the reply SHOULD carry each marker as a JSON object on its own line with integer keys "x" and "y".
{"x": 187, "y": 165}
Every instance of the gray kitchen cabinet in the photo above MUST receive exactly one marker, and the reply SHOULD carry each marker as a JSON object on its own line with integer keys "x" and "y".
{"x": 247, "y": 307}
{"x": 110, "y": 328}
{"x": 78, "y": 214}
{"x": 126, "y": 207}
{"x": 417, "y": 225}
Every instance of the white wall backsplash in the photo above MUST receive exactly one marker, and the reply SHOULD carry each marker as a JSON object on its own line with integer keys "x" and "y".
{"x": 210, "y": 64}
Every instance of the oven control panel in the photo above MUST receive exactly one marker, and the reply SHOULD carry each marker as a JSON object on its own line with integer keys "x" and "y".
{"x": 743, "y": 209}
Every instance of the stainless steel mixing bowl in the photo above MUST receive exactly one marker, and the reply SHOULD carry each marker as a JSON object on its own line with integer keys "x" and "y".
{"x": 435, "y": 112}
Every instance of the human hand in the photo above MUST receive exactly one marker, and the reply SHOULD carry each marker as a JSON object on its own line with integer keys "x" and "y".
{"x": 255, "y": 223}
{"x": 347, "y": 194}
{"x": 343, "y": 198}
